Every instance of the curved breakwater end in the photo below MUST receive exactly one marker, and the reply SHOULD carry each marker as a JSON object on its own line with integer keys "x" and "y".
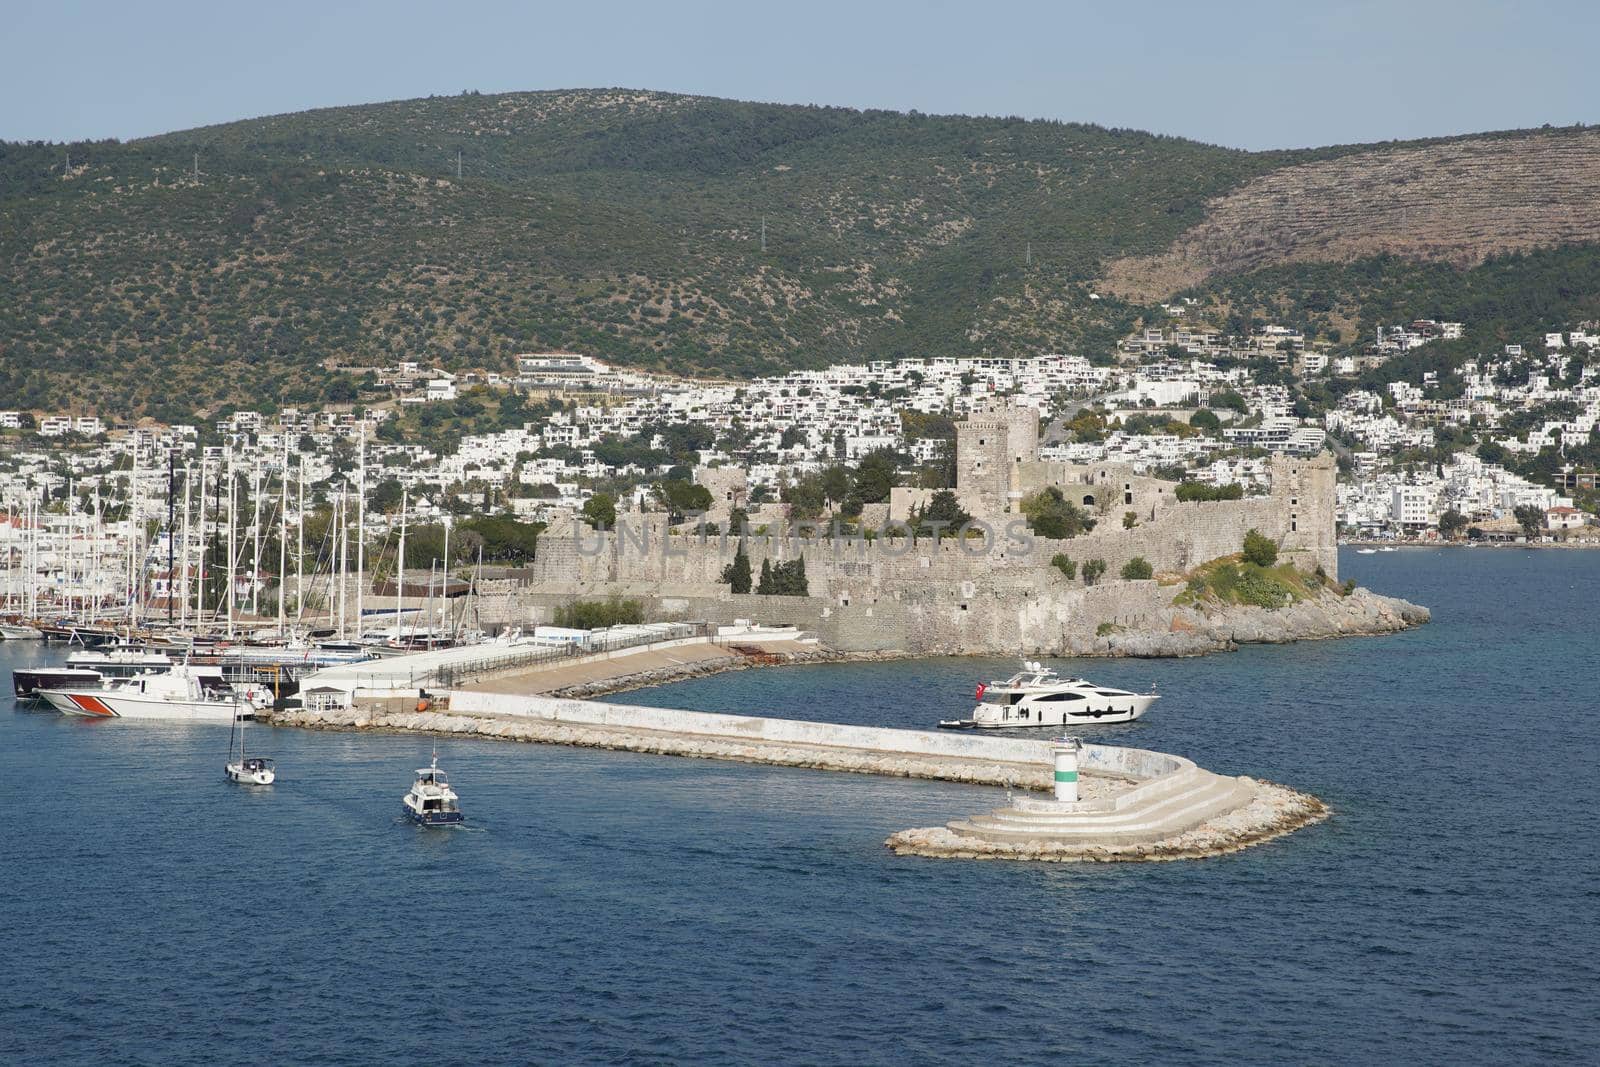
{"x": 1134, "y": 804}
{"x": 1272, "y": 812}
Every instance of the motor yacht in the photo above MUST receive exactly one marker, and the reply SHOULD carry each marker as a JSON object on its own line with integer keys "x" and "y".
{"x": 431, "y": 801}
{"x": 1036, "y": 696}
{"x": 87, "y": 669}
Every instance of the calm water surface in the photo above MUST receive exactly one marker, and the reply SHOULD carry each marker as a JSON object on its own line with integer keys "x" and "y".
{"x": 610, "y": 907}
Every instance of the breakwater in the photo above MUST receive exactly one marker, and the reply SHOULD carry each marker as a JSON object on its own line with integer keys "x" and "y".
{"x": 1135, "y": 803}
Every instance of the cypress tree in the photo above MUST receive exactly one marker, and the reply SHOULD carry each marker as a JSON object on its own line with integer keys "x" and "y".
{"x": 765, "y": 586}
{"x": 737, "y": 573}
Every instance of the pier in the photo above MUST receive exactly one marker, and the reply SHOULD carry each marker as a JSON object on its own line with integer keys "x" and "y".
{"x": 1130, "y": 803}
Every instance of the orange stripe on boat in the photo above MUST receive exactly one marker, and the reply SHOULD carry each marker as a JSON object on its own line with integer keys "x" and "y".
{"x": 93, "y": 705}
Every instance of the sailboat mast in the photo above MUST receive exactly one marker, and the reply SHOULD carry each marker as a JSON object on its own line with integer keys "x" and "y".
{"x": 233, "y": 528}
{"x": 361, "y": 529}
{"x": 283, "y": 532}
{"x": 300, "y": 548}
{"x": 400, "y": 566}
{"x": 344, "y": 545}
{"x": 171, "y": 546}
{"x": 255, "y": 533}
{"x": 444, "y": 577}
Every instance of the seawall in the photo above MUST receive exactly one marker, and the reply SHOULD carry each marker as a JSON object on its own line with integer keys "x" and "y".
{"x": 1135, "y": 803}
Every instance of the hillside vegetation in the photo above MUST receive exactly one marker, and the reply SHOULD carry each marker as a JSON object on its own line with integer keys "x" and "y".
{"x": 629, "y": 224}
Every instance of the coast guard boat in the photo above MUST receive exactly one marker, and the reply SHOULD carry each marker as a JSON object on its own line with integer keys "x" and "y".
{"x": 184, "y": 693}
{"x": 431, "y": 801}
{"x": 1035, "y": 696}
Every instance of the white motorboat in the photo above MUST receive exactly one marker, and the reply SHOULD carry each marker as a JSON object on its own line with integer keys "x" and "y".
{"x": 185, "y": 693}
{"x": 1036, "y": 696}
{"x": 1388, "y": 548}
{"x": 431, "y": 801}
{"x": 247, "y": 770}
{"x": 1366, "y": 552}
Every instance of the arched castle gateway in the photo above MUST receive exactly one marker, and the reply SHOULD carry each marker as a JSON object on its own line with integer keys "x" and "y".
{"x": 999, "y": 595}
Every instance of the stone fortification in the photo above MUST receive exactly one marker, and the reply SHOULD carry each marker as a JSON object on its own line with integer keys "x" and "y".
{"x": 994, "y": 593}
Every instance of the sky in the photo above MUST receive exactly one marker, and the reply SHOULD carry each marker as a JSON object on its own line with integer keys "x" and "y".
{"x": 1243, "y": 73}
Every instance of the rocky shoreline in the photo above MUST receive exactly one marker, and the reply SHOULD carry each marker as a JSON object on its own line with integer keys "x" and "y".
{"x": 1197, "y": 631}
{"x": 1275, "y": 810}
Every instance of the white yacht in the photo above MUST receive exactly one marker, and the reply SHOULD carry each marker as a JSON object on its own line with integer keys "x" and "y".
{"x": 87, "y": 669}
{"x": 16, "y": 631}
{"x": 1035, "y": 696}
{"x": 185, "y": 693}
{"x": 431, "y": 801}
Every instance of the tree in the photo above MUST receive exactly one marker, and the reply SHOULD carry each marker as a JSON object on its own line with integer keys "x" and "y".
{"x": 385, "y": 496}
{"x": 764, "y": 587}
{"x": 1206, "y": 420}
{"x": 680, "y": 497}
{"x": 1259, "y": 548}
{"x": 1129, "y": 520}
{"x": 737, "y": 573}
{"x": 1530, "y": 518}
{"x": 875, "y": 476}
{"x": 836, "y": 484}
{"x": 1064, "y": 563}
{"x": 1050, "y": 514}
{"x": 1451, "y": 523}
{"x": 1137, "y": 569}
{"x": 1092, "y": 570}
{"x": 942, "y": 508}
{"x": 600, "y": 511}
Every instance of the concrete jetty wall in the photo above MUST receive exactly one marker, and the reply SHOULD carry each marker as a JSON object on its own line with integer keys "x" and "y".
{"x": 1136, "y": 804}
{"x": 1030, "y": 759}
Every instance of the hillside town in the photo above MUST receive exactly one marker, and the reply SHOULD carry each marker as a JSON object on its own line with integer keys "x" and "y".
{"x": 1417, "y": 461}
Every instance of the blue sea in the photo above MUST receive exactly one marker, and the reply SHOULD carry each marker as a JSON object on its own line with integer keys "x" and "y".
{"x": 618, "y": 908}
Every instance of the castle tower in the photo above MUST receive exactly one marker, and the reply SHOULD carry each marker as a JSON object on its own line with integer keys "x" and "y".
{"x": 991, "y": 445}
{"x": 1305, "y": 492}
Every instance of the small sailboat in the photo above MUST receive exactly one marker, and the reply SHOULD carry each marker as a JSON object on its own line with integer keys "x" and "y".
{"x": 431, "y": 801}
{"x": 247, "y": 770}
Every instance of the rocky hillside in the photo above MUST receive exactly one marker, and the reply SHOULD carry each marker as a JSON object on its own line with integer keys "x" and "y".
{"x": 239, "y": 263}
{"x": 1457, "y": 202}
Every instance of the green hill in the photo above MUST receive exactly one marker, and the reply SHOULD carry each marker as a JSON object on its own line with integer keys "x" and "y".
{"x": 629, "y": 225}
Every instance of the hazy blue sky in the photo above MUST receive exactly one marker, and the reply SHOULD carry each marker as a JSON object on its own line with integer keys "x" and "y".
{"x": 1252, "y": 74}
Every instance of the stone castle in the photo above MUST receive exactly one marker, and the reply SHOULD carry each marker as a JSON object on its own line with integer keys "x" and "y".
{"x": 994, "y": 594}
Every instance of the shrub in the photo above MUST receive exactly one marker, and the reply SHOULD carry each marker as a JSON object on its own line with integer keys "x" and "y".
{"x": 598, "y": 614}
{"x": 1260, "y": 589}
{"x": 1260, "y": 549}
{"x": 1064, "y": 563}
{"x": 1348, "y": 587}
{"x": 1188, "y": 491}
{"x": 1092, "y": 570}
{"x": 1129, "y": 520}
{"x": 1137, "y": 569}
